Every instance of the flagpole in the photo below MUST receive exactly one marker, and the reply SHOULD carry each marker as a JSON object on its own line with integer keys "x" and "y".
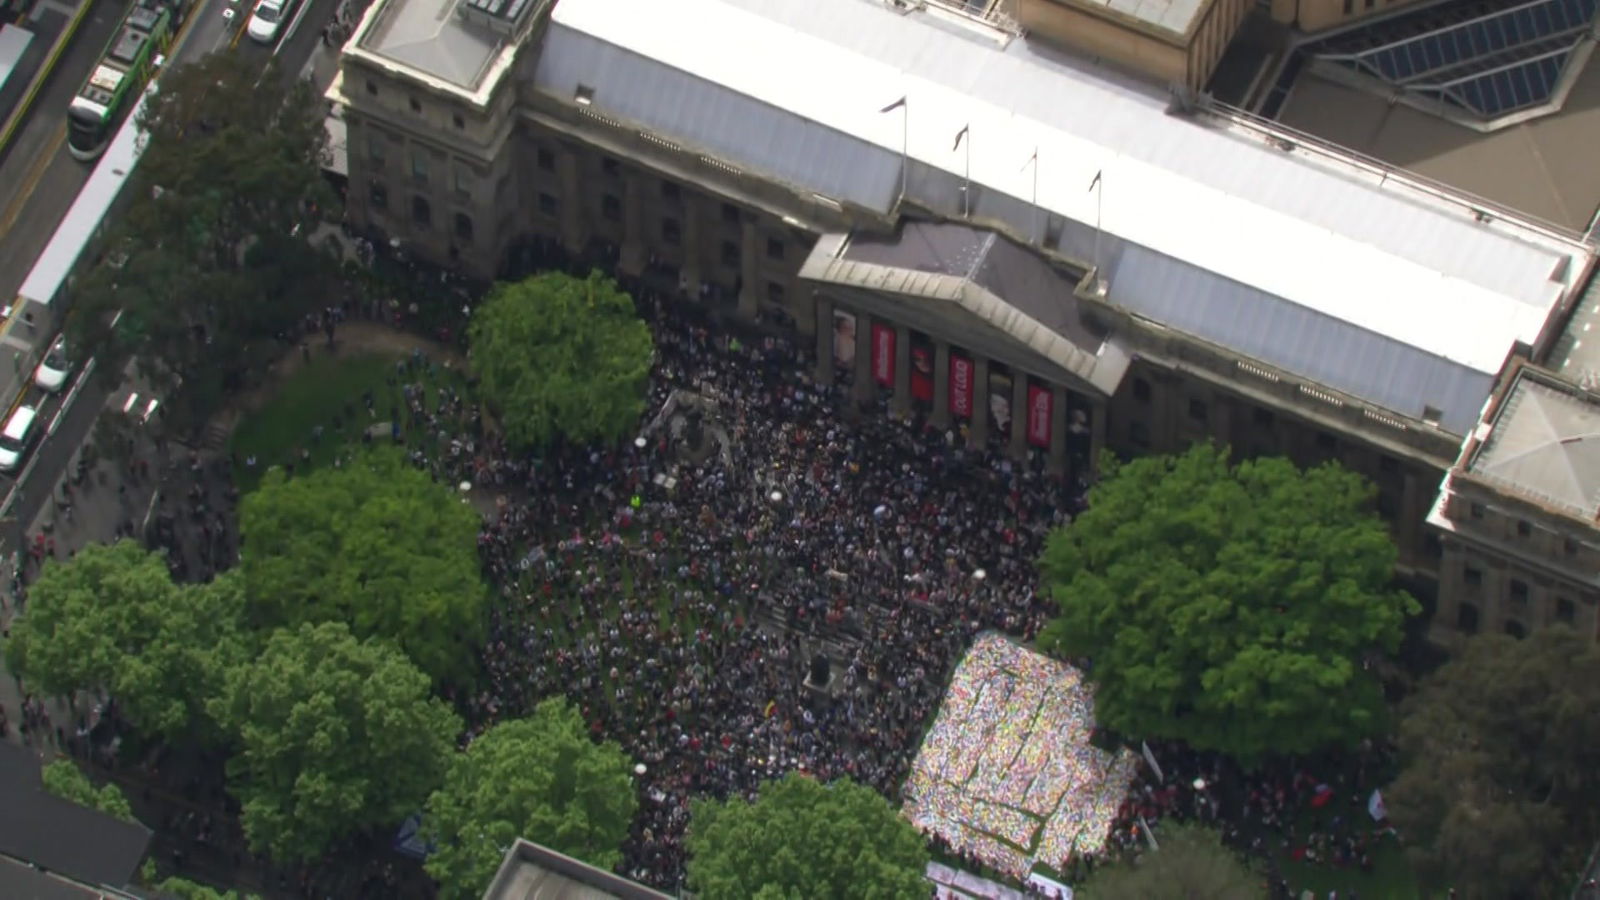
{"x": 1036, "y": 192}
{"x": 905, "y": 141}
{"x": 966, "y": 189}
{"x": 905, "y": 147}
{"x": 1099, "y": 209}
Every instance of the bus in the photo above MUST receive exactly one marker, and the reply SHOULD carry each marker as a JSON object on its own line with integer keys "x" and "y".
{"x": 118, "y": 78}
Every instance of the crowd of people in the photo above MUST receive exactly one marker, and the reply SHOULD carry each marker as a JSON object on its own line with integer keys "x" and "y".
{"x": 682, "y": 601}
{"x": 679, "y": 590}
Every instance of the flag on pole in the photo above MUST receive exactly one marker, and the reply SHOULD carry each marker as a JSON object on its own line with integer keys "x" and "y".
{"x": 960, "y": 135}
{"x": 1096, "y": 182}
{"x": 1376, "y": 808}
{"x": 894, "y": 106}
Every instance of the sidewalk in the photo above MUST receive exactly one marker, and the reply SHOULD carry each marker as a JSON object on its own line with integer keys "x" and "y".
{"x": 98, "y": 509}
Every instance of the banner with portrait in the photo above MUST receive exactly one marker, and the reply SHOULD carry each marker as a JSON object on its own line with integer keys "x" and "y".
{"x": 844, "y": 339}
{"x": 1041, "y": 403}
{"x": 921, "y": 369}
{"x": 999, "y": 401}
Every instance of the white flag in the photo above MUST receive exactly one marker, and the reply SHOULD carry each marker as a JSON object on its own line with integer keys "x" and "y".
{"x": 1375, "y": 807}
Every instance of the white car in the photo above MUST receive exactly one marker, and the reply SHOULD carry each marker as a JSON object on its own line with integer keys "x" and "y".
{"x": 268, "y": 17}
{"x": 53, "y": 370}
{"x": 16, "y": 437}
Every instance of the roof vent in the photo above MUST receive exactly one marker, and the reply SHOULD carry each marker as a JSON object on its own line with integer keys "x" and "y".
{"x": 508, "y": 18}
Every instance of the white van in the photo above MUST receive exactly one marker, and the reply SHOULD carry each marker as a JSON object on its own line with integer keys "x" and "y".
{"x": 16, "y": 437}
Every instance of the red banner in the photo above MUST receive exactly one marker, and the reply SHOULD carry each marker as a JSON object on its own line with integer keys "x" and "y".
{"x": 1040, "y": 404}
{"x": 883, "y": 354}
{"x": 922, "y": 374}
{"x": 961, "y": 386}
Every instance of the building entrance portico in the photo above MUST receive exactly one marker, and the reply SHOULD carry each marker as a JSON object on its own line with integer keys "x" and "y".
{"x": 919, "y": 320}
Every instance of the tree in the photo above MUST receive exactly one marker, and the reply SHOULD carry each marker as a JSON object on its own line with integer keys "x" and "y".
{"x": 112, "y": 619}
{"x": 64, "y": 779}
{"x": 1497, "y": 754}
{"x": 559, "y": 355}
{"x": 335, "y": 735}
{"x": 376, "y": 544}
{"x": 803, "y": 839}
{"x": 210, "y": 260}
{"x": 1233, "y": 608}
{"x": 539, "y": 778}
{"x": 183, "y": 889}
{"x": 1190, "y": 863}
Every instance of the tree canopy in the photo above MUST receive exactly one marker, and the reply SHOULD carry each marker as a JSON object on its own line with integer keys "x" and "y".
{"x": 112, "y": 619}
{"x": 1498, "y": 787}
{"x": 561, "y": 356}
{"x": 335, "y": 735}
{"x": 803, "y": 839}
{"x": 539, "y": 778}
{"x": 1189, "y": 863}
{"x": 64, "y": 779}
{"x": 1231, "y": 607}
{"x": 375, "y": 544}
{"x": 210, "y": 260}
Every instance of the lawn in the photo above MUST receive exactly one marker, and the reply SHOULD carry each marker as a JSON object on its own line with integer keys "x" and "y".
{"x": 329, "y": 391}
{"x": 1391, "y": 877}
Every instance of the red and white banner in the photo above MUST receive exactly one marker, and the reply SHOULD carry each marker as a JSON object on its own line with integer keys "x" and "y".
{"x": 961, "y": 386}
{"x": 922, "y": 373}
{"x": 883, "y": 354}
{"x": 1040, "y": 403}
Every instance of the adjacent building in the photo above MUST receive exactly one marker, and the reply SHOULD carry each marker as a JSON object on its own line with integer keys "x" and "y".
{"x": 1041, "y": 245}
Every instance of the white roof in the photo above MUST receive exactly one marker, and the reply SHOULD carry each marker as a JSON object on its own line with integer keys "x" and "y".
{"x": 1354, "y": 242}
{"x": 83, "y": 218}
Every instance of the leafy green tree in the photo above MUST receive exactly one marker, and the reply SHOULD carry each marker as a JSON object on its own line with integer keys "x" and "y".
{"x": 183, "y": 889}
{"x": 335, "y": 735}
{"x": 210, "y": 260}
{"x": 540, "y": 778}
{"x": 64, "y": 779}
{"x": 1498, "y": 775}
{"x": 564, "y": 356}
{"x": 112, "y": 619}
{"x": 1190, "y": 863}
{"x": 803, "y": 839}
{"x": 376, "y": 544}
{"x": 1231, "y": 607}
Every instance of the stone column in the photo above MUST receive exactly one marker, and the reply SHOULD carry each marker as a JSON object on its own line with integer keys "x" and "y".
{"x": 902, "y": 370}
{"x": 632, "y": 253}
{"x": 750, "y": 273}
{"x": 941, "y": 385}
{"x": 1019, "y": 414}
{"x": 824, "y": 317}
{"x": 693, "y": 253}
{"x": 866, "y": 386}
{"x": 978, "y": 434}
{"x": 573, "y": 237}
{"x": 1058, "y": 430}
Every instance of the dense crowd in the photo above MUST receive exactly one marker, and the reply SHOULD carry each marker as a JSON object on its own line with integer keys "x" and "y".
{"x": 684, "y": 615}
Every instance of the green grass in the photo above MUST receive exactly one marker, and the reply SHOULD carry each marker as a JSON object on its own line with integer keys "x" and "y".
{"x": 321, "y": 392}
{"x": 1391, "y": 877}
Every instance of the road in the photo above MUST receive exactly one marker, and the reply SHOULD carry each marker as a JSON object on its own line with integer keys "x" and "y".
{"x": 41, "y": 180}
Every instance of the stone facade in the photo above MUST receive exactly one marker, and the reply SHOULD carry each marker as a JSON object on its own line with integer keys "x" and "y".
{"x": 463, "y": 179}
